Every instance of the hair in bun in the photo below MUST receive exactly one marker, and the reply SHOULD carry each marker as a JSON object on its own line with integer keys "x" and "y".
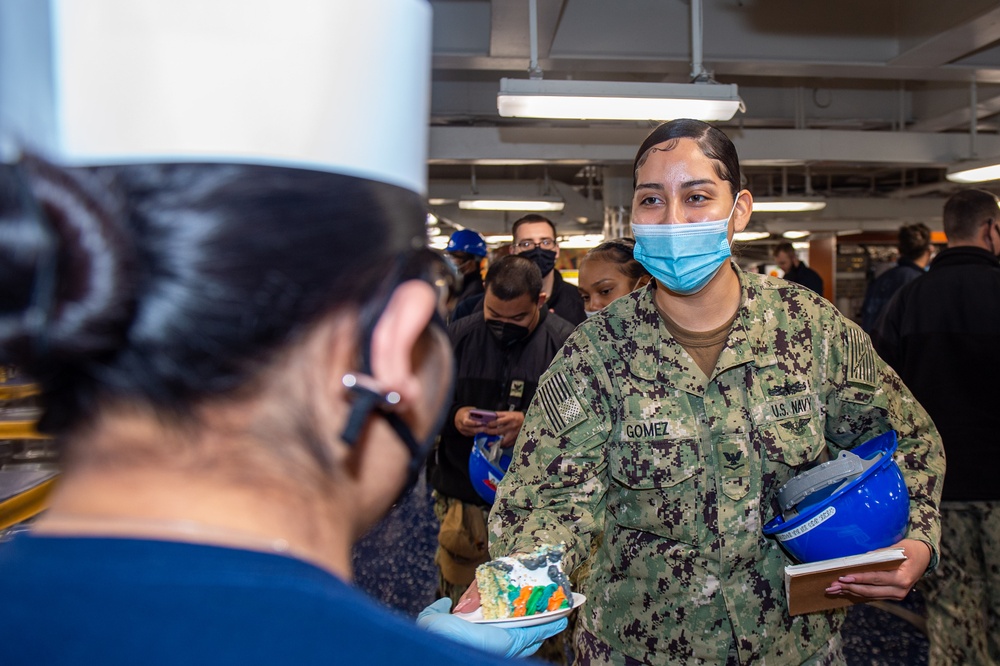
{"x": 173, "y": 282}
{"x": 67, "y": 269}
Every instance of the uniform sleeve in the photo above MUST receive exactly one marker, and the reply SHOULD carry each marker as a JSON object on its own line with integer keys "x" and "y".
{"x": 554, "y": 491}
{"x": 867, "y": 398}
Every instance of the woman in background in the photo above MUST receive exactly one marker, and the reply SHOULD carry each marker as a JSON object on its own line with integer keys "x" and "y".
{"x": 609, "y": 271}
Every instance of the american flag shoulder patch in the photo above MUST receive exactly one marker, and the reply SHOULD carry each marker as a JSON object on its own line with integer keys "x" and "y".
{"x": 860, "y": 359}
{"x": 562, "y": 408}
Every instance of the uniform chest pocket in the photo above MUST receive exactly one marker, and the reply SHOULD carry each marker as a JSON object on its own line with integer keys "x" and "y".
{"x": 658, "y": 487}
{"x": 791, "y": 429}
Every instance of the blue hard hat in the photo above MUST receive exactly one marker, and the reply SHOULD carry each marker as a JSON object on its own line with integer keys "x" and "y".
{"x": 850, "y": 505}
{"x": 484, "y": 473}
{"x": 468, "y": 241}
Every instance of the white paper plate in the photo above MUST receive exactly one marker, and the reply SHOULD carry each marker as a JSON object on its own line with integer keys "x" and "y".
{"x": 527, "y": 621}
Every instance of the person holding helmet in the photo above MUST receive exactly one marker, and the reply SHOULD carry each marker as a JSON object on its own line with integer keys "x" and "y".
{"x": 500, "y": 352}
{"x": 234, "y": 407}
{"x": 670, "y": 420}
{"x": 467, "y": 250}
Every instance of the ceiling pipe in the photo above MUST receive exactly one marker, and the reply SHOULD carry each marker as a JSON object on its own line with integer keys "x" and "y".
{"x": 973, "y": 118}
{"x": 698, "y": 72}
{"x": 534, "y": 71}
{"x": 902, "y": 106}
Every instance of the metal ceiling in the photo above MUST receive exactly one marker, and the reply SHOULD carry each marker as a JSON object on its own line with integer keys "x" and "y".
{"x": 865, "y": 103}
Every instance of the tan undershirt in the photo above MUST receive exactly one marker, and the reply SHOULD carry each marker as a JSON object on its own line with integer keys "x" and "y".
{"x": 703, "y": 346}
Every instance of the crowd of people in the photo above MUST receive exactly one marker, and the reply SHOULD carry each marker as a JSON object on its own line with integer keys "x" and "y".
{"x": 241, "y": 393}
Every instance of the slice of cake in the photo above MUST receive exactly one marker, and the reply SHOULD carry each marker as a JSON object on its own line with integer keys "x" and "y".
{"x": 525, "y": 584}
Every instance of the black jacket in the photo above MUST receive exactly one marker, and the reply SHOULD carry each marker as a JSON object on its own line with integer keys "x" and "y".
{"x": 805, "y": 276}
{"x": 489, "y": 376}
{"x": 565, "y": 300}
{"x": 472, "y": 285}
{"x": 941, "y": 333}
{"x": 881, "y": 290}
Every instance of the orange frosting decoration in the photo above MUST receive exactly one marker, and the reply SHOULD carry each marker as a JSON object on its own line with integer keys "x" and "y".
{"x": 521, "y": 603}
{"x": 557, "y": 600}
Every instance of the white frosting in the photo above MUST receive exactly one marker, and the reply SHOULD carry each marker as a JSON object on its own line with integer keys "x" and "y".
{"x": 522, "y": 576}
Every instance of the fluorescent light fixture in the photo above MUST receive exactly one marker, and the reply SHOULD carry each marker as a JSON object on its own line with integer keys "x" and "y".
{"x": 499, "y": 240}
{"x": 438, "y": 242}
{"x": 536, "y": 204}
{"x": 793, "y": 234}
{"x": 805, "y": 205}
{"x": 439, "y": 202}
{"x": 433, "y": 231}
{"x": 747, "y": 236}
{"x": 582, "y": 241}
{"x": 616, "y": 100}
{"x": 974, "y": 171}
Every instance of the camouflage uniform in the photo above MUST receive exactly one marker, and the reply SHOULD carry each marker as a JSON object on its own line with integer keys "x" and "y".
{"x": 963, "y": 605}
{"x": 627, "y": 439}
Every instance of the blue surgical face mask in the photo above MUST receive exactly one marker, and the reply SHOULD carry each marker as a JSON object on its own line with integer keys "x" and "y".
{"x": 683, "y": 257}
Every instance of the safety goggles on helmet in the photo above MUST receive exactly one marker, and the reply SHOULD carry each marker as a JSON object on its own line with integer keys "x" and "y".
{"x": 847, "y": 506}
{"x": 487, "y": 465}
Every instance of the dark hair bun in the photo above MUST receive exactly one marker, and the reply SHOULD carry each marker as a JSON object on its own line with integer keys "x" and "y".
{"x": 914, "y": 240}
{"x": 66, "y": 268}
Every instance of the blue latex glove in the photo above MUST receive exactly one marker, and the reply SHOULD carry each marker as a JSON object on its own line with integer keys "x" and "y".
{"x": 511, "y": 642}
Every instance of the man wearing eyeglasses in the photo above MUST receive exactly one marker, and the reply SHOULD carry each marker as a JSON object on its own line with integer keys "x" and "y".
{"x": 535, "y": 239}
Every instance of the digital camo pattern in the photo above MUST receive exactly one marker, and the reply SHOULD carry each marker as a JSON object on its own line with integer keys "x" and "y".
{"x": 963, "y": 594}
{"x": 678, "y": 472}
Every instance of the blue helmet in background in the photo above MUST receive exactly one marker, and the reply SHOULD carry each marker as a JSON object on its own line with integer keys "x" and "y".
{"x": 850, "y": 505}
{"x": 487, "y": 465}
{"x": 468, "y": 241}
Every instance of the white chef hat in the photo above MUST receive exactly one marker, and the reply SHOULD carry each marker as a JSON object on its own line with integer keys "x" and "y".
{"x": 328, "y": 85}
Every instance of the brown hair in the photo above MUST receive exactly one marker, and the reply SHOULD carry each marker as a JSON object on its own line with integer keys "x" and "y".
{"x": 966, "y": 210}
{"x": 914, "y": 241}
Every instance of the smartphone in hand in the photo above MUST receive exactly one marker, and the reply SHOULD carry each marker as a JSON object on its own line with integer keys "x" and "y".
{"x": 482, "y": 415}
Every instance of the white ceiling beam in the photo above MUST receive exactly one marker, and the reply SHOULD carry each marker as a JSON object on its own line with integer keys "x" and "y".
{"x": 953, "y": 44}
{"x": 667, "y": 68}
{"x": 857, "y": 213}
{"x": 960, "y": 117}
{"x": 514, "y": 145}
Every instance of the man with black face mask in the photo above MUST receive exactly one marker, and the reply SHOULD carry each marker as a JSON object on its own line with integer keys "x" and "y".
{"x": 466, "y": 250}
{"x": 535, "y": 239}
{"x": 500, "y": 353}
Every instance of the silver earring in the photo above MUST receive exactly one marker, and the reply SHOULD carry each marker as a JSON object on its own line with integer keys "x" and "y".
{"x": 359, "y": 382}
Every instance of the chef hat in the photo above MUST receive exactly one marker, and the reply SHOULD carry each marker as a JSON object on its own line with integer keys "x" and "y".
{"x": 317, "y": 84}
